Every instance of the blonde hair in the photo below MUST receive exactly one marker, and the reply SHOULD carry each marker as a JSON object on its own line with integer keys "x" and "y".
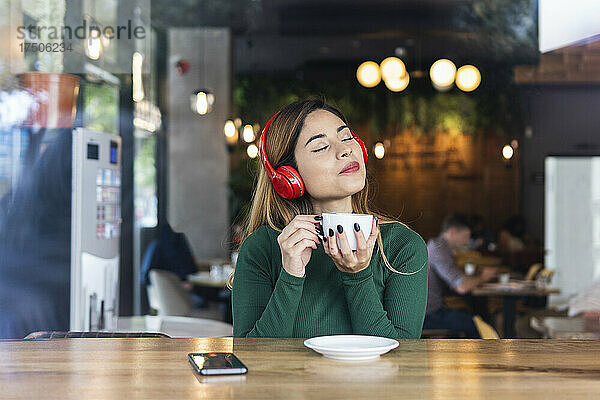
{"x": 268, "y": 208}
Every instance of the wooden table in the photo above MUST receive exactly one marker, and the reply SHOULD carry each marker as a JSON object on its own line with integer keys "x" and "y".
{"x": 283, "y": 368}
{"x": 204, "y": 279}
{"x": 509, "y": 301}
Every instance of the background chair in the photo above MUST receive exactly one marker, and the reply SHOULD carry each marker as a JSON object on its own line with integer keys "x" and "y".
{"x": 175, "y": 311}
{"x": 486, "y": 331}
{"x": 152, "y": 300}
{"x": 168, "y": 295}
{"x": 532, "y": 272}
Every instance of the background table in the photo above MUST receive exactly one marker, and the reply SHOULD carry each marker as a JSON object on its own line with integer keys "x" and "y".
{"x": 284, "y": 368}
{"x": 213, "y": 289}
{"x": 509, "y": 301}
{"x": 204, "y": 279}
{"x": 567, "y": 327}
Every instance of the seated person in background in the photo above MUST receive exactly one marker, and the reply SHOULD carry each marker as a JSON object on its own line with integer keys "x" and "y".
{"x": 511, "y": 237}
{"x": 519, "y": 249}
{"x": 481, "y": 238}
{"x": 171, "y": 252}
{"x": 443, "y": 273}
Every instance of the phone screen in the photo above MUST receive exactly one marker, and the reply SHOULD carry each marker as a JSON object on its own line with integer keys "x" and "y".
{"x": 217, "y": 363}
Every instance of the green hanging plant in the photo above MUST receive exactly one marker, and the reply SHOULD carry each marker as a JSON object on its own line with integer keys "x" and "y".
{"x": 455, "y": 113}
{"x": 382, "y": 111}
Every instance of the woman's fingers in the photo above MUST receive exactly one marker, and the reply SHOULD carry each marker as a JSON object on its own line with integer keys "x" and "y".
{"x": 307, "y": 222}
{"x": 362, "y": 250}
{"x": 343, "y": 257}
{"x": 330, "y": 244}
{"x": 373, "y": 236}
{"x": 295, "y": 238}
{"x": 301, "y": 245}
{"x": 299, "y": 224}
{"x": 344, "y": 245}
{"x": 298, "y": 236}
{"x": 326, "y": 244}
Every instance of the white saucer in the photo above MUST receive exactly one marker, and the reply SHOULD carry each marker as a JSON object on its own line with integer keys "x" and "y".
{"x": 351, "y": 347}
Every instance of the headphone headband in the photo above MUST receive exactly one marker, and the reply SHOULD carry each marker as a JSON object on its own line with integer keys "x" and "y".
{"x": 263, "y": 153}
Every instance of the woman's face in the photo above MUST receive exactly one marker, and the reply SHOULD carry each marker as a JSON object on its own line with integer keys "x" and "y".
{"x": 328, "y": 157}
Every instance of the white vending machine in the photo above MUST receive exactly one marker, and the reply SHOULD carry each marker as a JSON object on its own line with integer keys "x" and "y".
{"x": 95, "y": 230}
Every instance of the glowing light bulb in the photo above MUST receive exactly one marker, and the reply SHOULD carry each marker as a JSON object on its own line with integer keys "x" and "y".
{"x": 379, "y": 150}
{"x": 93, "y": 47}
{"x": 507, "y": 152}
{"x": 229, "y": 129}
{"x": 248, "y": 134}
{"x": 397, "y": 84}
{"x": 368, "y": 74}
{"x": 136, "y": 71}
{"x": 468, "y": 78}
{"x": 202, "y": 101}
{"x": 392, "y": 68}
{"x": 442, "y": 73}
{"x": 252, "y": 151}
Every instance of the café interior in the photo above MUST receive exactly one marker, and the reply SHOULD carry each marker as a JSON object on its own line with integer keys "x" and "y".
{"x": 130, "y": 150}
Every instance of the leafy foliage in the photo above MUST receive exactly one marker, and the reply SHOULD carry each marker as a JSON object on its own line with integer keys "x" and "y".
{"x": 420, "y": 109}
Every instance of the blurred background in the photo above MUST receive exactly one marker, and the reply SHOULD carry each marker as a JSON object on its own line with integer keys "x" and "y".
{"x": 128, "y": 138}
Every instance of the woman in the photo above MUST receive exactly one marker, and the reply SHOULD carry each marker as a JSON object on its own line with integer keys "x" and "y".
{"x": 290, "y": 284}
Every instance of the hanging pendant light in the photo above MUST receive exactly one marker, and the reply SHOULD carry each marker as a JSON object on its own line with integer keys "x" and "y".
{"x": 202, "y": 100}
{"x": 397, "y": 84}
{"x": 368, "y": 74}
{"x": 442, "y": 74}
{"x": 392, "y": 68}
{"x": 468, "y": 78}
{"x": 379, "y": 150}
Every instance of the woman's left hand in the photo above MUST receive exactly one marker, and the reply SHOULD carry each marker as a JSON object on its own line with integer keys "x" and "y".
{"x": 347, "y": 260}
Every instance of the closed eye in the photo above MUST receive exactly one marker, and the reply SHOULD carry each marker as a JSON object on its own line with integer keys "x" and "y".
{"x": 323, "y": 148}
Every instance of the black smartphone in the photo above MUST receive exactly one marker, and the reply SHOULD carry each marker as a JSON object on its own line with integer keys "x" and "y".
{"x": 217, "y": 364}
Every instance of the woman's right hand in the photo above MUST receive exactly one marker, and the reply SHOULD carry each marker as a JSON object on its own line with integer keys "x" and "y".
{"x": 297, "y": 241}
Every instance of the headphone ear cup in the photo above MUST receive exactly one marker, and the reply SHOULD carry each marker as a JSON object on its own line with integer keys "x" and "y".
{"x": 288, "y": 183}
{"x": 365, "y": 153}
{"x": 363, "y": 148}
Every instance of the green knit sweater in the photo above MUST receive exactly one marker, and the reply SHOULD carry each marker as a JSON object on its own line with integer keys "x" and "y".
{"x": 269, "y": 302}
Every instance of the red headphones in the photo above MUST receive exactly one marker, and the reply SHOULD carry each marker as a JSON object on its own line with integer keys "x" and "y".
{"x": 286, "y": 180}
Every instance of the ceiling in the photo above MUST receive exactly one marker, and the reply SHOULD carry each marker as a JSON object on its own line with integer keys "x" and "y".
{"x": 296, "y": 36}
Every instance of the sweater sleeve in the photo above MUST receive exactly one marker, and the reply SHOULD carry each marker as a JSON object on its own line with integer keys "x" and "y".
{"x": 402, "y": 311}
{"x": 259, "y": 309}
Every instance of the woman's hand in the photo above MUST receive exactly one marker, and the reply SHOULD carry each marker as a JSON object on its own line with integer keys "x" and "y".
{"x": 347, "y": 260}
{"x": 297, "y": 241}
